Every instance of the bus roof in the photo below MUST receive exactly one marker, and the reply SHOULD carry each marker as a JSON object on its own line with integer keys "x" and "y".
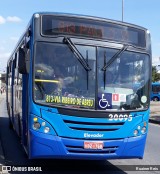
{"x": 61, "y": 14}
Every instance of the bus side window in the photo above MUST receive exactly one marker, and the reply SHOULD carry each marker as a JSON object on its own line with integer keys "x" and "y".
{"x": 155, "y": 89}
{"x": 10, "y": 78}
{"x": 15, "y": 69}
{"x": 27, "y": 57}
{"x": 19, "y": 76}
{"x": 23, "y": 59}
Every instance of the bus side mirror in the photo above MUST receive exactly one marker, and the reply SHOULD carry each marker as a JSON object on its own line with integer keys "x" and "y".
{"x": 22, "y": 62}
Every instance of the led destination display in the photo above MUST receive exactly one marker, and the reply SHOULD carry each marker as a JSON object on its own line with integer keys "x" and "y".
{"x": 52, "y": 25}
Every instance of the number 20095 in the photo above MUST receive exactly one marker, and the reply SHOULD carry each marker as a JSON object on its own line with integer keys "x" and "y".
{"x": 120, "y": 117}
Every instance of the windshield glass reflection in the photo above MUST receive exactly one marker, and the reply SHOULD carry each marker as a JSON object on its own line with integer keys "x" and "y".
{"x": 61, "y": 79}
{"x": 124, "y": 84}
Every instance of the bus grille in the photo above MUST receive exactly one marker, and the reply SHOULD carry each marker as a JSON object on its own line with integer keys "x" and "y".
{"x": 77, "y": 146}
{"x": 106, "y": 150}
{"x": 90, "y": 125}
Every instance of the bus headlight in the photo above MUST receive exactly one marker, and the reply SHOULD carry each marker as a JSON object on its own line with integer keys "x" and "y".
{"x": 139, "y": 127}
{"x": 135, "y": 132}
{"x": 36, "y": 125}
{"x": 46, "y": 129}
{"x": 43, "y": 123}
{"x": 40, "y": 125}
{"x": 143, "y": 130}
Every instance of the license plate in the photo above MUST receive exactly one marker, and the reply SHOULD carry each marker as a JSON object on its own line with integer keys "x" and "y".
{"x": 93, "y": 145}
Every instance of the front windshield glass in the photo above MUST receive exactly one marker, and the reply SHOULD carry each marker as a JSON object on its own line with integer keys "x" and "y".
{"x": 60, "y": 79}
{"x": 124, "y": 85}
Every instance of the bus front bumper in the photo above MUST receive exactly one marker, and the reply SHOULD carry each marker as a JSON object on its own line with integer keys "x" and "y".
{"x": 48, "y": 146}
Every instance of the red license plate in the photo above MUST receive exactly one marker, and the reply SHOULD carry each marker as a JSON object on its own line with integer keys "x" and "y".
{"x": 93, "y": 145}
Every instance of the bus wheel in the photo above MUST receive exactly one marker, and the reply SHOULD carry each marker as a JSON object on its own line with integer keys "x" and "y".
{"x": 155, "y": 99}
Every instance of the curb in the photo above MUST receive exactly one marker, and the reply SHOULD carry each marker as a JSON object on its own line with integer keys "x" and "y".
{"x": 154, "y": 121}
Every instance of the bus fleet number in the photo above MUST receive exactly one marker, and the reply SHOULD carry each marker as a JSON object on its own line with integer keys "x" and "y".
{"x": 120, "y": 117}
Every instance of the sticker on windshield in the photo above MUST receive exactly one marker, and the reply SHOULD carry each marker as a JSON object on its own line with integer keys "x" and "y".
{"x": 122, "y": 97}
{"x": 115, "y": 97}
{"x": 118, "y": 97}
{"x": 143, "y": 99}
{"x": 104, "y": 101}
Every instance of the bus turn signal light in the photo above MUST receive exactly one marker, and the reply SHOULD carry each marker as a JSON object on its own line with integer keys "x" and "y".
{"x": 35, "y": 119}
{"x": 36, "y": 125}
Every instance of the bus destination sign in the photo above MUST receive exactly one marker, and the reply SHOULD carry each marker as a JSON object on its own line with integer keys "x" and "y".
{"x": 52, "y": 25}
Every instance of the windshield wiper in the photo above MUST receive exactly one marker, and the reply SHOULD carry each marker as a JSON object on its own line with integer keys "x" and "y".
{"x": 79, "y": 56}
{"x": 114, "y": 57}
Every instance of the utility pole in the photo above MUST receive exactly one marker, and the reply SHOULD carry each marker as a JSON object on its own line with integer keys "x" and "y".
{"x": 122, "y": 9}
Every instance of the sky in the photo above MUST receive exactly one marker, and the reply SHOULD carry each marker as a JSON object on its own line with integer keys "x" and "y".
{"x": 15, "y": 15}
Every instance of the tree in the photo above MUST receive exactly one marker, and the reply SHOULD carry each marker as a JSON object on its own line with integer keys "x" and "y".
{"x": 155, "y": 74}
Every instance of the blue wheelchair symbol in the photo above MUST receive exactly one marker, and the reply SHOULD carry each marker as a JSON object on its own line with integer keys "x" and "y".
{"x": 105, "y": 101}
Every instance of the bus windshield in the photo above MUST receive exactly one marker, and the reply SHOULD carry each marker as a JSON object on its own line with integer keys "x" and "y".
{"x": 61, "y": 79}
{"x": 125, "y": 83}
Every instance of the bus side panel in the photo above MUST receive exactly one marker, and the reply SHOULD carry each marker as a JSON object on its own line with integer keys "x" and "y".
{"x": 24, "y": 109}
{"x": 14, "y": 99}
{"x": 9, "y": 92}
{"x": 7, "y": 88}
{"x": 12, "y": 95}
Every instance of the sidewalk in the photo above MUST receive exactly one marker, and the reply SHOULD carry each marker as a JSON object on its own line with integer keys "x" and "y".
{"x": 2, "y": 159}
{"x": 155, "y": 112}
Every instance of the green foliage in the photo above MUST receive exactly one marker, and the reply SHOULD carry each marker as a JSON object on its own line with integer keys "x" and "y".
{"x": 155, "y": 74}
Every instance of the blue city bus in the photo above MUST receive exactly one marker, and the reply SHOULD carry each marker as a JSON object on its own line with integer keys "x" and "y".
{"x": 79, "y": 87}
{"x": 155, "y": 91}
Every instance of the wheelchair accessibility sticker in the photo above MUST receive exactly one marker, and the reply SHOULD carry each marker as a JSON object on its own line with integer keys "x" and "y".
{"x": 104, "y": 101}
